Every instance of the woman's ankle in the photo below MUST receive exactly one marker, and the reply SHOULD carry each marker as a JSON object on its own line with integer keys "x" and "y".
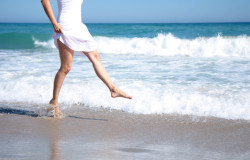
{"x": 53, "y": 102}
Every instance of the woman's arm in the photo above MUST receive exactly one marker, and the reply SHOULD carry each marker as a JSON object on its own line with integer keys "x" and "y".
{"x": 48, "y": 9}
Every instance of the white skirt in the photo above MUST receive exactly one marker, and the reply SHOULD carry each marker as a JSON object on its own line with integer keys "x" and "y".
{"x": 76, "y": 37}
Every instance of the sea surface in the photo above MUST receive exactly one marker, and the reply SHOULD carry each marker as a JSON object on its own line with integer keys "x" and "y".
{"x": 200, "y": 70}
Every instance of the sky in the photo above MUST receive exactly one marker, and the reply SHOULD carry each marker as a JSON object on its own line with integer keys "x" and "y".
{"x": 134, "y": 11}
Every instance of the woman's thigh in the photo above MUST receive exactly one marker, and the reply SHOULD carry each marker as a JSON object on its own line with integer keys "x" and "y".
{"x": 66, "y": 54}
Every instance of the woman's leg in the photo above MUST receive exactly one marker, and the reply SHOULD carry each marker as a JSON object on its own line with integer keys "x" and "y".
{"x": 103, "y": 75}
{"x": 66, "y": 57}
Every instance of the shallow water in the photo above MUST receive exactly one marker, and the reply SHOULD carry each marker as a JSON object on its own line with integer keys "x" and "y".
{"x": 183, "y": 69}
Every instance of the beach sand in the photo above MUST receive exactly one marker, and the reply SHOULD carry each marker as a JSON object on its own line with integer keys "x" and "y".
{"x": 111, "y": 134}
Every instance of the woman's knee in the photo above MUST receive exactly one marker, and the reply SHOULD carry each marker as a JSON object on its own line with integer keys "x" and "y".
{"x": 65, "y": 68}
{"x": 93, "y": 55}
{"x": 96, "y": 55}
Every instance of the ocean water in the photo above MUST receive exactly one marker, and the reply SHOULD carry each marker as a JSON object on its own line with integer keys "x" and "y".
{"x": 175, "y": 69}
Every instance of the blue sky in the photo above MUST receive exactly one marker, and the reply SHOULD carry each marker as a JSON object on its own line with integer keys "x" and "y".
{"x": 135, "y": 11}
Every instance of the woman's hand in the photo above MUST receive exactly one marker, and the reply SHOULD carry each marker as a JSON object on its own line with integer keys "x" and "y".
{"x": 57, "y": 28}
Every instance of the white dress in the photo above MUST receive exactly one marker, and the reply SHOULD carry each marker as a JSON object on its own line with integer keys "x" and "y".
{"x": 75, "y": 34}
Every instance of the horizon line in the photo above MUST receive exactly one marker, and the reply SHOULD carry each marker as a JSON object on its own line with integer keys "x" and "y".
{"x": 133, "y": 22}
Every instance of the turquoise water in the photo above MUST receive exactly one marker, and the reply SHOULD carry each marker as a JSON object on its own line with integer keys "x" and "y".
{"x": 19, "y": 36}
{"x": 194, "y": 69}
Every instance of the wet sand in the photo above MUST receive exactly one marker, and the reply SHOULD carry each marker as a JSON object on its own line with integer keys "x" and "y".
{"x": 110, "y": 134}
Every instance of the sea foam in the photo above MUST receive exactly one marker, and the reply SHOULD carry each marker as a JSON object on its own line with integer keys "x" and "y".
{"x": 45, "y": 44}
{"x": 147, "y": 98}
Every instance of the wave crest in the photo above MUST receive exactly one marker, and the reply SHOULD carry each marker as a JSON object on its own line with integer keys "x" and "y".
{"x": 44, "y": 44}
{"x": 169, "y": 45}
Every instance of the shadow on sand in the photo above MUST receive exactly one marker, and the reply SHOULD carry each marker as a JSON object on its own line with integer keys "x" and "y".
{"x": 18, "y": 112}
{"x": 34, "y": 114}
{"x": 95, "y": 119}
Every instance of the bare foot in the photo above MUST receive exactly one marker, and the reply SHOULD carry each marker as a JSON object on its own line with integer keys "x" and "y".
{"x": 118, "y": 93}
{"x": 54, "y": 111}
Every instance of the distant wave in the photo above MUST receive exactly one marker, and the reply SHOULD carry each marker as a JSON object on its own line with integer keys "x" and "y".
{"x": 162, "y": 45}
{"x": 45, "y": 44}
{"x": 169, "y": 45}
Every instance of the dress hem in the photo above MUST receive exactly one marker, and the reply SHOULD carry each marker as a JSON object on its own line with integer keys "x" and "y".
{"x": 58, "y": 36}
